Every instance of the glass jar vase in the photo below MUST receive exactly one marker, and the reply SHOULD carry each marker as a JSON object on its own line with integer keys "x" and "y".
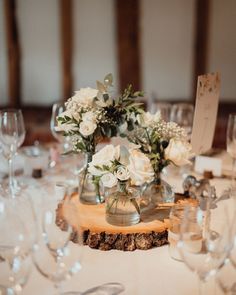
{"x": 88, "y": 190}
{"x": 123, "y": 205}
{"x": 156, "y": 195}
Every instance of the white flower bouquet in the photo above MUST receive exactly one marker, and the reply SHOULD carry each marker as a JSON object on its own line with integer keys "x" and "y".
{"x": 115, "y": 168}
{"x": 162, "y": 142}
{"x": 93, "y": 114}
{"x": 113, "y": 164}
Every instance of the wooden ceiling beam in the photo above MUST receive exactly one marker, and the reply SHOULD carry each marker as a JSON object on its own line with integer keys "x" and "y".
{"x": 202, "y": 16}
{"x": 13, "y": 54}
{"x": 66, "y": 20}
{"x": 128, "y": 42}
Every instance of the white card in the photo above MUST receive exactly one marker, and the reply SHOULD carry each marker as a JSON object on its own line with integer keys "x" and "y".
{"x": 203, "y": 163}
{"x": 207, "y": 100}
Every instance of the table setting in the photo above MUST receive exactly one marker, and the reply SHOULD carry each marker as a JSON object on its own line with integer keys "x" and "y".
{"x": 126, "y": 201}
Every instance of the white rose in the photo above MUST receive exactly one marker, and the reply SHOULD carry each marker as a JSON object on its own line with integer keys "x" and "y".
{"x": 122, "y": 173}
{"x": 109, "y": 180}
{"x": 89, "y": 116}
{"x": 140, "y": 168}
{"x": 106, "y": 155}
{"x": 85, "y": 96}
{"x": 87, "y": 128}
{"x": 178, "y": 152}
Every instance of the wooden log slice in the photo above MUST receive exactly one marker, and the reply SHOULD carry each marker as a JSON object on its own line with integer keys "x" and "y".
{"x": 89, "y": 222}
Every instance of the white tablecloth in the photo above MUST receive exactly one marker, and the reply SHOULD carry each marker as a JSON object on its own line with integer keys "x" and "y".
{"x": 141, "y": 272}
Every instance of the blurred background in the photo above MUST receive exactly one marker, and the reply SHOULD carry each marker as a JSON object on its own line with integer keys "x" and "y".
{"x": 50, "y": 48}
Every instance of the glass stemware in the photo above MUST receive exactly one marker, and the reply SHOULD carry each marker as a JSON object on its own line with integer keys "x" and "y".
{"x": 231, "y": 144}
{"x": 226, "y": 278}
{"x": 205, "y": 242}
{"x": 182, "y": 114}
{"x": 55, "y": 256}
{"x": 163, "y": 107}
{"x": 57, "y": 109}
{"x": 12, "y": 135}
{"x": 15, "y": 261}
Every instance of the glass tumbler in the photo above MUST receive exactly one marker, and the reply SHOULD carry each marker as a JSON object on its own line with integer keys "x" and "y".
{"x": 176, "y": 217}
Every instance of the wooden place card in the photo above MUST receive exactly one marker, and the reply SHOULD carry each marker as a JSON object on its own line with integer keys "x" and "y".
{"x": 207, "y": 100}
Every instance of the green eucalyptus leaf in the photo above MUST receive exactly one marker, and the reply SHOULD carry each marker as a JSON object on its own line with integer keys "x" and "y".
{"x": 101, "y": 87}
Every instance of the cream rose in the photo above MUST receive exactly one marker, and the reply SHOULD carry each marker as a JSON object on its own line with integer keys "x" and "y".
{"x": 87, "y": 128}
{"x": 104, "y": 157}
{"x": 85, "y": 96}
{"x": 178, "y": 152}
{"x": 140, "y": 168}
{"x": 109, "y": 180}
{"x": 122, "y": 173}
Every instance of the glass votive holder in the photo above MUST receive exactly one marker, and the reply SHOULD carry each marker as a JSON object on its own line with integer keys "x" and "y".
{"x": 176, "y": 216}
{"x": 36, "y": 161}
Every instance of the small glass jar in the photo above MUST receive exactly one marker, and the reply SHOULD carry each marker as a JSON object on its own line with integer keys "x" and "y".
{"x": 155, "y": 195}
{"x": 88, "y": 190}
{"x": 176, "y": 217}
{"x": 123, "y": 205}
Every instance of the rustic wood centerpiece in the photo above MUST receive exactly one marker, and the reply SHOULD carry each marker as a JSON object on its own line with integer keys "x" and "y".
{"x": 89, "y": 223}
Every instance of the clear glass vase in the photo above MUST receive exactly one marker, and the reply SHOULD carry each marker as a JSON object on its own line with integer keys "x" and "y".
{"x": 156, "y": 195}
{"x": 123, "y": 205}
{"x": 89, "y": 192}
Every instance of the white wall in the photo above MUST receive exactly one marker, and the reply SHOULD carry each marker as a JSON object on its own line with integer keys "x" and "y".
{"x": 167, "y": 43}
{"x": 3, "y": 60}
{"x": 222, "y": 45}
{"x": 167, "y": 48}
{"x": 40, "y": 43}
{"x": 94, "y": 42}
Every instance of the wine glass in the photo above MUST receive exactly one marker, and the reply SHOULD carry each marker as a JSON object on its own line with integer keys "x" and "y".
{"x": 15, "y": 261}
{"x": 226, "y": 278}
{"x": 182, "y": 114}
{"x": 231, "y": 144}
{"x": 57, "y": 109}
{"x": 55, "y": 256}
{"x": 205, "y": 240}
{"x": 164, "y": 108}
{"x": 12, "y": 135}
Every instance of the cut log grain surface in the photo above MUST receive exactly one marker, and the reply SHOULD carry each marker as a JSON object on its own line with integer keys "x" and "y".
{"x": 89, "y": 223}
